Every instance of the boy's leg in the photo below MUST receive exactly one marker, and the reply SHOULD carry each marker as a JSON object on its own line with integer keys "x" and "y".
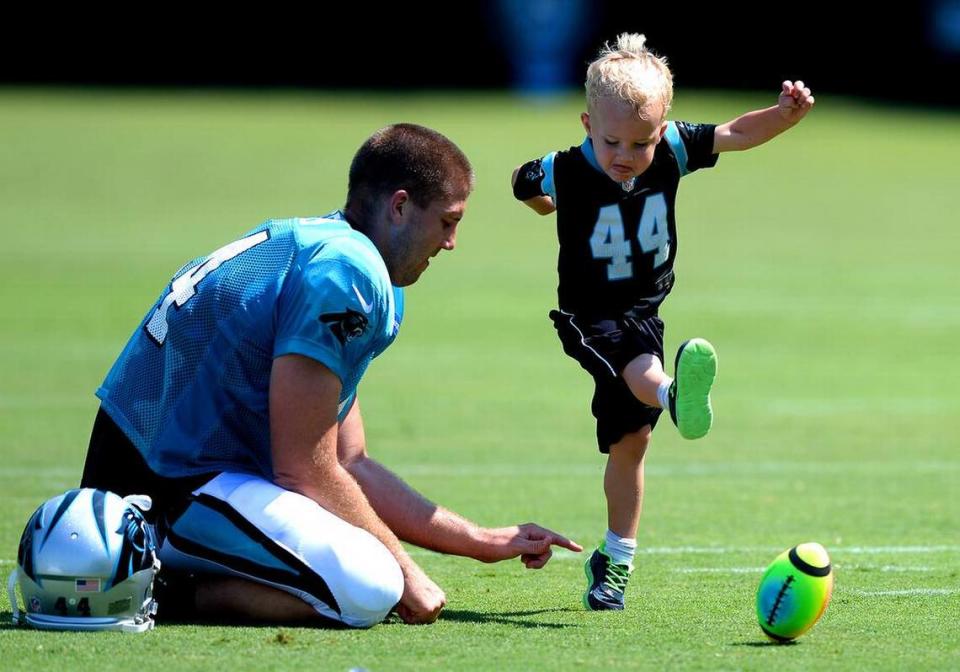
{"x": 644, "y": 375}
{"x": 624, "y": 426}
{"x": 623, "y": 483}
{"x": 624, "y": 423}
{"x": 610, "y": 566}
{"x": 688, "y": 396}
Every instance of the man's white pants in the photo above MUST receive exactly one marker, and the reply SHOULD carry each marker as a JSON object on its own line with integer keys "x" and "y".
{"x": 245, "y": 526}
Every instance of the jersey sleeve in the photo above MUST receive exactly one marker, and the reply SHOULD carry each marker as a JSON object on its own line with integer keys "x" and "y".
{"x": 535, "y": 178}
{"x": 692, "y": 145}
{"x": 330, "y": 311}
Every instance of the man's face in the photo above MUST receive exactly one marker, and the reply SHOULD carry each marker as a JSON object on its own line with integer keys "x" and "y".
{"x": 419, "y": 234}
{"x": 623, "y": 142}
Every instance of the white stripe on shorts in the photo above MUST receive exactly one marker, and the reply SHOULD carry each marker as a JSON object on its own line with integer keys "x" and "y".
{"x": 583, "y": 341}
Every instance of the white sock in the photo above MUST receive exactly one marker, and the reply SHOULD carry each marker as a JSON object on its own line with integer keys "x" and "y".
{"x": 620, "y": 549}
{"x": 663, "y": 393}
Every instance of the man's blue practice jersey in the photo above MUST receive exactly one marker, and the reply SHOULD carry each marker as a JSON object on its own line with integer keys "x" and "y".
{"x": 190, "y": 388}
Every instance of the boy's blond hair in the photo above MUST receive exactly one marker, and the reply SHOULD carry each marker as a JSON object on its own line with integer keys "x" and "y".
{"x": 632, "y": 73}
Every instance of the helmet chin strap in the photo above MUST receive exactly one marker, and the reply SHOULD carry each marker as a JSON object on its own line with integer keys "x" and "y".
{"x": 142, "y": 502}
{"x": 12, "y": 593}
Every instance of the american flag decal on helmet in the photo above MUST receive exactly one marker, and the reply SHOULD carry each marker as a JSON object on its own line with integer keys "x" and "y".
{"x": 88, "y": 585}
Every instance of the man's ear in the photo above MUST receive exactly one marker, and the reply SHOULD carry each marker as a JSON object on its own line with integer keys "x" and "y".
{"x": 399, "y": 200}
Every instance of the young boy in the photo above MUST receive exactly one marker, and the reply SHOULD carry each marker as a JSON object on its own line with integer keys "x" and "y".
{"x": 614, "y": 197}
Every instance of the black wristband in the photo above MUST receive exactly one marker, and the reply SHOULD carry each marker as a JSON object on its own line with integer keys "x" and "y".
{"x": 529, "y": 181}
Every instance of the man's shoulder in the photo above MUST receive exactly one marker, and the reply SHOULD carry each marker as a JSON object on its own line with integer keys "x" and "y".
{"x": 331, "y": 240}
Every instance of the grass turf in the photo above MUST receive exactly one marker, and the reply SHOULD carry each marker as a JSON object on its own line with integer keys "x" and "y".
{"x": 822, "y": 266}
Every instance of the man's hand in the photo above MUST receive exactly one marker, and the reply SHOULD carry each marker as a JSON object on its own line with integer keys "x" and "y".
{"x": 422, "y": 600}
{"x": 531, "y": 542}
{"x": 795, "y": 101}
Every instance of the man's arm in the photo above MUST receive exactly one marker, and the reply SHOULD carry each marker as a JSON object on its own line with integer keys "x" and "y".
{"x": 303, "y": 432}
{"x": 757, "y": 127}
{"x": 415, "y": 519}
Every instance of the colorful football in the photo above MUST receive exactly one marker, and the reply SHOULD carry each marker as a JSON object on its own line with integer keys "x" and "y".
{"x": 794, "y": 591}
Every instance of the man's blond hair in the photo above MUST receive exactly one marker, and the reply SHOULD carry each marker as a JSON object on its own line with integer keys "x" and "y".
{"x": 632, "y": 73}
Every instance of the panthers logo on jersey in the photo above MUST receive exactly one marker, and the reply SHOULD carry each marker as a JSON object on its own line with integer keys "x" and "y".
{"x": 347, "y": 325}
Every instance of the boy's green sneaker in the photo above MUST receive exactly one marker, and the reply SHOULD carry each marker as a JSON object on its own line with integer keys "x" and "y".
{"x": 606, "y": 582}
{"x": 694, "y": 372}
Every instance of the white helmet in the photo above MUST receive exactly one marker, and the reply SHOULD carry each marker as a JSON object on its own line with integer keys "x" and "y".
{"x": 86, "y": 561}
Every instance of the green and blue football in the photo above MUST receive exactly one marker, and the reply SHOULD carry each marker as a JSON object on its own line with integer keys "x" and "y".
{"x": 794, "y": 591}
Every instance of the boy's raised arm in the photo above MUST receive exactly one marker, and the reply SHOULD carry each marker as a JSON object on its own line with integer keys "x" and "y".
{"x": 757, "y": 127}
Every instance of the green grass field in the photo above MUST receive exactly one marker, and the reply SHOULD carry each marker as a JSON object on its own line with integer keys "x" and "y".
{"x": 823, "y": 267}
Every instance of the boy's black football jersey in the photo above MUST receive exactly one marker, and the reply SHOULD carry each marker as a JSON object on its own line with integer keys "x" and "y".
{"x": 617, "y": 246}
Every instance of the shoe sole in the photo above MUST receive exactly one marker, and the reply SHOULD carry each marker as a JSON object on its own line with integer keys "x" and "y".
{"x": 586, "y": 593}
{"x": 695, "y": 369}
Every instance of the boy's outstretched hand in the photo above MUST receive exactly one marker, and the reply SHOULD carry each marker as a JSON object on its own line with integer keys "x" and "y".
{"x": 795, "y": 101}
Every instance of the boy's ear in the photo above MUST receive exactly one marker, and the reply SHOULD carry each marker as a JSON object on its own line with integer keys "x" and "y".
{"x": 585, "y": 120}
{"x": 662, "y": 131}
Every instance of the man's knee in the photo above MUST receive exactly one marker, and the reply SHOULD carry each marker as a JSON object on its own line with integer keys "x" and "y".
{"x": 371, "y": 601}
{"x": 285, "y": 539}
{"x": 367, "y": 581}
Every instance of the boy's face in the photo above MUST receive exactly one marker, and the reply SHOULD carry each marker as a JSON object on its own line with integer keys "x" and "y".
{"x": 623, "y": 142}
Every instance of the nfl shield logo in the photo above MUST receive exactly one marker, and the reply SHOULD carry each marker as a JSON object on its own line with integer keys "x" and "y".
{"x": 35, "y": 605}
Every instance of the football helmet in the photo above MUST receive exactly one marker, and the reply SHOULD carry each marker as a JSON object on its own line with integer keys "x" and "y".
{"x": 86, "y": 561}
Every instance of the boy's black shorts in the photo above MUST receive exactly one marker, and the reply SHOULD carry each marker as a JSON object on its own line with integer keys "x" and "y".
{"x": 604, "y": 348}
